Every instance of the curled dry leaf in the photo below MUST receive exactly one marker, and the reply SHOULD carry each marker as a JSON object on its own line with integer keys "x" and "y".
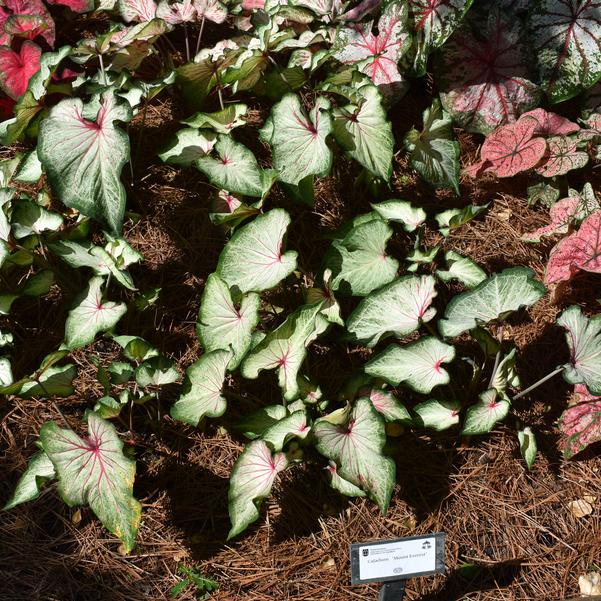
{"x": 590, "y": 584}
{"x": 580, "y": 508}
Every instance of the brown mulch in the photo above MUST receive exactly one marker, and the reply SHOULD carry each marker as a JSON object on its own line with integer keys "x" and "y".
{"x": 509, "y": 533}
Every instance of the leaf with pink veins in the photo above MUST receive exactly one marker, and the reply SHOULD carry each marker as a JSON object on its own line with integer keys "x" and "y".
{"x": 484, "y": 79}
{"x": 140, "y": 11}
{"x": 77, "y": 6}
{"x": 377, "y": 55}
{"x": 27, "y": 26}
{"x": 94, "y": 471}
{"x": 581, "y": 251}
{"x": 550, "y": 124}
{"x": 562, "y": 156}
{"x": 23, "y": 9}
{"x": 562, "y": 214}
{"x": 176, "y": 13}
{"x": 214, "y": 10}
{"x": 17, "y": 68}
{"x": 511, "y": 149}
{"x": 580, "y": 423}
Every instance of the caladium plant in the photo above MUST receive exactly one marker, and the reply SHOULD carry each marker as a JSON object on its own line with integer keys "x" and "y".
{"x": 580, "y": 423}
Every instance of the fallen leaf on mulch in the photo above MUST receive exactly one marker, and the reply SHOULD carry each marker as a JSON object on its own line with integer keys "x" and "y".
{"x": 590, "y": 584}
{"x": 580, "y": 508}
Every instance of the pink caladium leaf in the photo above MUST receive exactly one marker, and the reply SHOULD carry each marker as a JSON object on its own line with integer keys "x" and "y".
{"x": 139, "y": 11}
{"x": 213, "y": 10}
{"x": 562, "y": 156}
{"x": 581, "y": 423}
{"x": 94, "y": 471}
{"x": 4, "y": 37}
{"x": 581, "y": 251}
{"x": 566, "y": 35}
{"x": 562, "y": 214}
{"x": 176, "y": 13}
{"x": 77, "y": 6}
{"x": 377, "y": 55}
{"x": 484, "y": 79}
{"x": 17, "y": 68}
{"x": 550, "y": 124}
{"x": 26, "y": 26}
{"x": 511, "y": 149}
{"x": 13, "y": 20}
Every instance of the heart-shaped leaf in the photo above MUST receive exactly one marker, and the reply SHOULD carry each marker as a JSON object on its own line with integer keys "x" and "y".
{"x": 388, "y": 406}
{"x": 434, "y": 152}
{"x": 401, "y": 211}
{"x": 494, "y": 298}
{"x": 295, "y": 425}
{"x": 39, "y": 471}
{"x": 562, "y": 213}
{"x": 251, "y": 480}
{"x": 17, "y": 68}
{"x": 188, "y": 145}
{"x": 566, "y": 36}
{"x": 176, "y": 13}
{"x": 298, "y": 140}
{"x": 14, "y": 15}
{"x": 91, "y": 315}
{"x": 418, "y": 365}
{"x": 94, "y": 471}
{"x": 461, "y": 269}
{"x": 365, "y": 133}
{"x": 225, "y": 323}
{"x": 84, "y": 158}
{"x": 139, "y": 11}
{"x": 562, "y": 156}
{"x": 482, "y": 417}
{"x": 356, "y": 448}
{"x": 581, "y": 251}
{"x": 343, "y": 486}
{"x": 253, "y": 260}
{"x": 550, "y": 124}
{"x": 584, "y": 341}
{"x": 580, "y": 423}
{"x": 483, "y": 74}
{"x": 201, "y": 395}
{"x": 222, "y": 122}
{"x": 398, "y": 309}
{"x": 437, "y": 415}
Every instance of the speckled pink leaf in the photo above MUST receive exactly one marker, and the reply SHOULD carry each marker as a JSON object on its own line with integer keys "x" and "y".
{"x": 476, "y": 169}
{"x": 581, "y": 423}
{"x": 22, "y": 9}
{"x": 484, "y": 80}
{"x": 4, "y": 37}
{"x": 550, "y": 124}
{"x": 77, "y": 6}
{"x": 562, "y": 156}
{"x": 27, "y": 26}
{"x": 562, "y": 214}
{"x": 580, "y": 251}
{"x": 176, "y": 13}
{"x": 511, "y": 149}
{"x": 17, "y": 68}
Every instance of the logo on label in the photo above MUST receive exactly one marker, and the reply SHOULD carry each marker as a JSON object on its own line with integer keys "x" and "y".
{"x": 397, "y": 571}
{"x": 365, "y": 552}
{"x": 426, "y": 544}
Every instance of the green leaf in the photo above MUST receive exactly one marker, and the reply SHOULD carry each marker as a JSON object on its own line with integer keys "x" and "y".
{"x": 91, "y": 315}
{"x": 54, "y": 381}
{"x": 201, "y": 394}
{"x": 135, "y": 348}
{"x": 235, "y": 170}
{"x": 437, "y": 415}
{"x": 294, "y": 425}
{"x": 253, "y": 260}
{"x": 482, "y": 417}
{"x": 156, "y": 372}
{"x": 30, "y": 218}
{"x": 461, "y": 269}
{"x": 340, "y": 484}
{"x": 388, "y": 406}
{"x": 418, "y": 364}
{"x": 223, "y": 122}
{"x": 359, "y": 262}
{"x": 583, "y": 336}
{"x": 187, "y": 146}
{"x": 225, "y": 322}
{"x": 298, "y": 141}
{"x": 331, "y": 308}
{"x": 506, "y": 375}
{"x": 495, "y": 298}
{"x": 120, "y": 372}
{"x": 30, "y": 169}
{"x": 84, "y": 158}
{"x": 453, "y": 218}
{"x": 39, "y": 471}
{"x": 107, "y": 407}
{"x": 251, "y": 480}
{"x": 285, "y": 348}
{"x": 253, "y": 425}
{"x": 356, "y": 448}
{"x": 528, "y": 447}
{"x": 401, "y": 211}
{"x": 365, "y": 133}
{"x": 94, "y": 471}
{"x": 434, "y": 152}
{"x": 397, "y": 309}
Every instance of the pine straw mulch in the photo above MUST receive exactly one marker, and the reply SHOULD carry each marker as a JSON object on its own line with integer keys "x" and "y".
{"x": 509, "y": 532}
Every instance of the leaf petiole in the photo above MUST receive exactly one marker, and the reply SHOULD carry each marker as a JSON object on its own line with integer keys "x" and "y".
{"x": 539, "y": 383}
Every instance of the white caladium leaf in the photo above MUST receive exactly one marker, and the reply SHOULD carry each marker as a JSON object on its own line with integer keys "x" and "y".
{"x": 202, "y": 389}
{"x": 355, "y": 446}
{"x": 388, "y": 406}
{"x": 188, "y": 145}
{"x": 91, "y": 315}
{"x": 462, "y": 269}
{"x": 434, "y": 152}
{"x": 253, "y": 259}
{"x": 222, "y": 122}
{"x": 566, "y": 36}
{"x": 365, "y": 132}
{"x": 285, "y": 348}
{"x": 437, "y": 415}
{"x": 295, "y": 425}
{"x": 418, "y": 365}
{"x": 340, "y": 484}
{"x": 77, "y": 254}
{"x": 253, "y": 425}
{"x": 506, "y": 375}
{"x": 84, "y": 158}
{"x": 157, "y": 371}
{"x": 401, "y": 211}
{"x": 489, "y": 410}
{"x": 298, "y": 140}
{"x": 235, "y": 169}
{"x": 225, "y": 322}
{"x": 584, "y": 340}
{"x": 30, "y": 169}
{"x": 252, "y": 477}
{"x": 53, "y": 381}
{"x": 434, "y": 21}
{"x": 176, "y": 13}
{"x": 494, "y": 298}
{"x": 139, "y": 11}
{"x": 39, "y": 471}
{"x": 359, "y": 262}
{"x": 528, "y": 447}
{"x": 135, "y": 348}
{"x": 398, "y": 309}
{"x": 30, "y": 218}
{"x": 212, "y": 10}
{"x": 325, "y": 295}
{"x": 94, "y": 471}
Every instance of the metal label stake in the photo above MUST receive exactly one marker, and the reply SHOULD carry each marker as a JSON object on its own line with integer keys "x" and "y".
{"x": 394, "y": 561}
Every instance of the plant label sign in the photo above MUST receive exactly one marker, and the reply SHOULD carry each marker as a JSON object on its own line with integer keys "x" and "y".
{"x": 382, "y": 561}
